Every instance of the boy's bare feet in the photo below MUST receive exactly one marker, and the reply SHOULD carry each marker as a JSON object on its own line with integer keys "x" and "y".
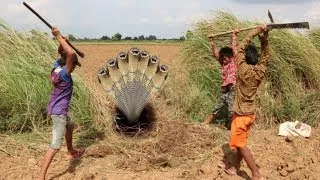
{"x": 75, "y": 154}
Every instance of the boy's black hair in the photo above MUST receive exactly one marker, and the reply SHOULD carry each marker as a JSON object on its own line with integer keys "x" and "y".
{"x": 252, "y": 54}
{"x": 63, "y": 59}
{"x": 226, "y": 52}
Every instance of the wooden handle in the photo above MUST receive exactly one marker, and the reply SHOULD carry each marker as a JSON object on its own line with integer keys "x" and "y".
{"x": 38, "y": 15}
{"x": 81, "y": 54}
{"x": 229, "y": 32}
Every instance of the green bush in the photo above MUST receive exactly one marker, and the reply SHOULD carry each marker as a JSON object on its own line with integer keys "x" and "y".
{"x": 314, "y": 36}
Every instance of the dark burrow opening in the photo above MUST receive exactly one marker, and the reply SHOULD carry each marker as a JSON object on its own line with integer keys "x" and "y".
{"x": 144, "y": 124}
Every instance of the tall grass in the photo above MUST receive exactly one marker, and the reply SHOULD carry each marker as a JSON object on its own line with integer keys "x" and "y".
{"x": 25, "y": 65}
{"x": 314, "y": 36}
{"x": 291, "y": 85}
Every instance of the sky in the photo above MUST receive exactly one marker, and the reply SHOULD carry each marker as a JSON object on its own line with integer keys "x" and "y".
{"x": 165, "y": 18}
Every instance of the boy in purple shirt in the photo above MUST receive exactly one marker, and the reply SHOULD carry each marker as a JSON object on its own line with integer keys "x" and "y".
{"x": 58, "y": 106}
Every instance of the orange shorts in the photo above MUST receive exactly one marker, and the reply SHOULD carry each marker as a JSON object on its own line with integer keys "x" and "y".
{"x": 240, "y": 128}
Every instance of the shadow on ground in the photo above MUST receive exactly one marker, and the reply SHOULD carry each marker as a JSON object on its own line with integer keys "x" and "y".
{"x": 84, "y": 140}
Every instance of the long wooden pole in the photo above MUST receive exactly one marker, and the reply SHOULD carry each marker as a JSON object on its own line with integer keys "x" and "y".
{"x": 229, "y": 32}
{"x": 81, "y": 54}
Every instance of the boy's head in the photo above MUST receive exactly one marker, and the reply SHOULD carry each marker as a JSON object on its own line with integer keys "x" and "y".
{"x": 225, "y": 52}
{"x": 63, "y": 59}
{"x": 252, "y": 54}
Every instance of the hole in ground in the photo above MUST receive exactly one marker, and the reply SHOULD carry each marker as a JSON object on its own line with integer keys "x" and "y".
{"x": 144, "y": 125}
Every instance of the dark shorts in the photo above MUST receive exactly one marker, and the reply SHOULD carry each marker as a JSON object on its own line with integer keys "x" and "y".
{"x": 225, "y": 99}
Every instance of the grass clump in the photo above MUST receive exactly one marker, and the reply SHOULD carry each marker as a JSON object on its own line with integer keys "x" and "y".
{"x": 292, "y": 79}
{"x": 25, "y": 87}
{"x": 314, "y": 36}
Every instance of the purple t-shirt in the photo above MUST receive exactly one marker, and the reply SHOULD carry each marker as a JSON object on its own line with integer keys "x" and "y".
{"x": 62, "y": 91}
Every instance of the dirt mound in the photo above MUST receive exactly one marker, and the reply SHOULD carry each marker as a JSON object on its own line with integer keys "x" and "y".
{"x": 171, "y": 144}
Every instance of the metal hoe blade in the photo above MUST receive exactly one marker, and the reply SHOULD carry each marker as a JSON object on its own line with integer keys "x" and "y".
{"x": 299, "y": 25}
{"x": 270, "y": 17}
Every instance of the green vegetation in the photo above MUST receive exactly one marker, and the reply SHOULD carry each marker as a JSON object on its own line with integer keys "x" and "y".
{"x": 314, "y": 36}
{"x": 26, "y": 61}
{"x": 133, "y": 42}
{"x": 118, "y": 37}
{"x": 292, "y": 83}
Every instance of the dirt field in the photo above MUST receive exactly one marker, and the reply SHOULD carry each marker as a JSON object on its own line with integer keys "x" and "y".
{"x": 174, "y": 149}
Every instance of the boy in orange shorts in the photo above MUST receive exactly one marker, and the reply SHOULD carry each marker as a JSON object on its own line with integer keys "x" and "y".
{"x": 250, "y": 74}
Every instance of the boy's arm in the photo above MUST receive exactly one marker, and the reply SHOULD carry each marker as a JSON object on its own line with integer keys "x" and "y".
{"x": 247, "y": 40}
{"x": 60, "y": 49}
{"x": 65, "y": 46}
{"x": 264, "y": 48}
{"x": 215, "y": 51}
{"x": 234, "y": 43}
{"x": 264, "y": 55}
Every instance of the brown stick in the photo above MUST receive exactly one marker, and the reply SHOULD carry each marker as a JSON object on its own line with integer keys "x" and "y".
{"x": 81, "y": 54}
{"x": 229, "y": 32}
{"x": 293, "y": 25}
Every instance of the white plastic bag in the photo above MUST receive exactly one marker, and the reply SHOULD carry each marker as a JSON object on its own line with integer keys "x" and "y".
{"x": 294, "y": 129}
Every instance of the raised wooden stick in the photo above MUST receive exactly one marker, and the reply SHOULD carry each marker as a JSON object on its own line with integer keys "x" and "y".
{"x": 81, "y": 54}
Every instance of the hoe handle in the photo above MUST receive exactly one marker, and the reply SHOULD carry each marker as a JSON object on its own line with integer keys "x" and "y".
{"x": 81, "y": 54}
{"x": 294, "y": 25}
{"x": 38, "y": 15}
{"x": 229, "y": 32}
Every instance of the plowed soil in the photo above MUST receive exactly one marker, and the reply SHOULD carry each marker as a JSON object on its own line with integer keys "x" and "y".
{"x": 174, "y": 149}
